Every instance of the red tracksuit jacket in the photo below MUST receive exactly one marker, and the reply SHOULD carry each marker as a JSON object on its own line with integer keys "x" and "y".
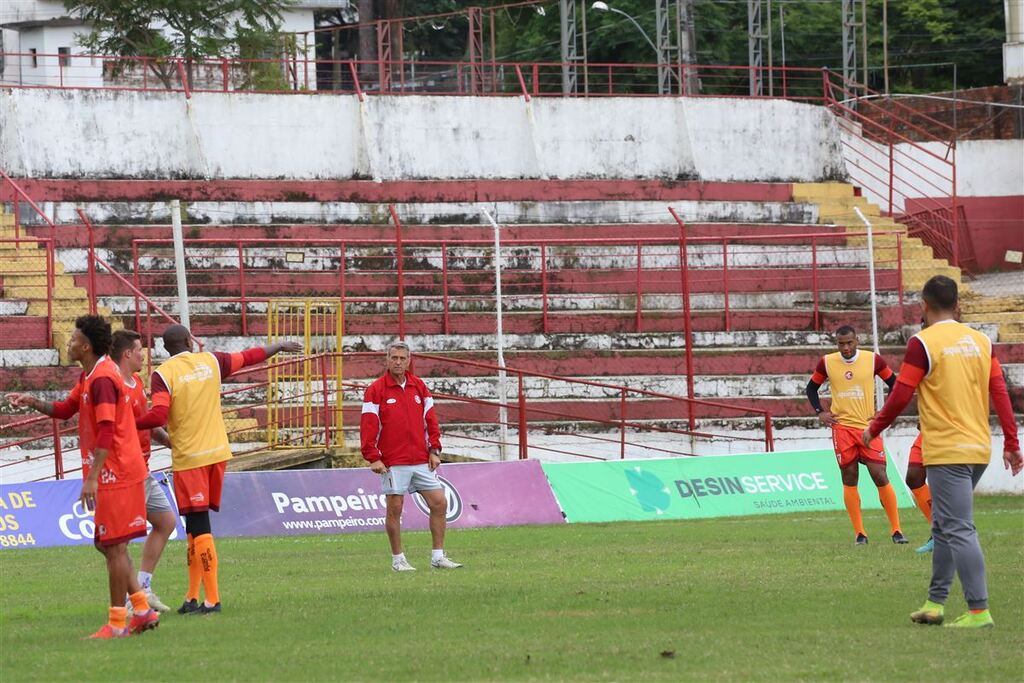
{"x": 399, "y": 425}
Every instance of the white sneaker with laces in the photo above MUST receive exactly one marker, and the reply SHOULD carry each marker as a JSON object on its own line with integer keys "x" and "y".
{"x": 155, "y": 602}
{"x": 444, "y": 563}
{"x": 402, "y": 565}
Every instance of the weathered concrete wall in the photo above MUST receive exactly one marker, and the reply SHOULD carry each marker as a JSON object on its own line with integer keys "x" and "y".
{"x": 109, "y": 134}
{"x": 984, "y": 168}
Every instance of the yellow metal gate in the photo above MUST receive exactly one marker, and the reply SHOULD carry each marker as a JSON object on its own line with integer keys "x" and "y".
{"x": 304, "y": 398}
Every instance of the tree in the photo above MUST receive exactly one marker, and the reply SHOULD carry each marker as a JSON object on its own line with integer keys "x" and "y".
{"x": 197, "y": 28}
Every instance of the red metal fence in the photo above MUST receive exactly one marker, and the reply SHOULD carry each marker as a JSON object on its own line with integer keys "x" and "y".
{"x": 903, "y": 160}
{"x": 299, "y": 75}
{"x": 611, "y": 422}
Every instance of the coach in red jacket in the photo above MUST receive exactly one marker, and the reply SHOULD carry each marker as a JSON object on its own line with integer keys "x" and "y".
{"x": 401, "y": 439}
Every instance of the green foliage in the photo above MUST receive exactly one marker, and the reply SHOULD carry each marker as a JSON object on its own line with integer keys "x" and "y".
{"x": 771, "y": 598}
{"x": 968, "y": 32}
{"x": 199, "y": 28}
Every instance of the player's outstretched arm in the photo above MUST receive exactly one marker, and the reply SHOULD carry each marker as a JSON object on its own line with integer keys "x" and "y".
{"x": 272, "y": 350}
{"x": 61, "y": 410}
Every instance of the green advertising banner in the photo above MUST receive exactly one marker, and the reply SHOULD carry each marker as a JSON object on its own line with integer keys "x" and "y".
{"x": 709, "y": 486}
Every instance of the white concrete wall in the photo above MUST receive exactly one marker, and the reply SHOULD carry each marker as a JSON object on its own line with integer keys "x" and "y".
{"x": 133, "y": 135}
{"x": 984, "y": 168}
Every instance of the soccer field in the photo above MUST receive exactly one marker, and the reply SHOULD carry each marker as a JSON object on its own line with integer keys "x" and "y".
{"x": 784, "y": 597}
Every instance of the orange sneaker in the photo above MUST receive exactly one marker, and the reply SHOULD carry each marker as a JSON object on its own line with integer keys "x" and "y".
{"x": 144, "y": 622}
{"x": 107, "y": 632}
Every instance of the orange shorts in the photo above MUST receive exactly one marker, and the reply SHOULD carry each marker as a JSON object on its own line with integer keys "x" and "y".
{"x": 915, "y": 453}
{"x": 198, "y": 489}
{"x": 849, "y": 448}
{"x": 120, "y": 513}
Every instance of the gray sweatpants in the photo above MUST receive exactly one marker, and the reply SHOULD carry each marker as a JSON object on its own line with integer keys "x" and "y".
{"x": 957, "y": 550}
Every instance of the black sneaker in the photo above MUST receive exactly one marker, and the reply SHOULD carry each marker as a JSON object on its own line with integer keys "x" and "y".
{"x": 862, "y": 539}
{"x": 899, "y": 539}
{"x": 203, "y": 609}
{"x": 189, "y": 607}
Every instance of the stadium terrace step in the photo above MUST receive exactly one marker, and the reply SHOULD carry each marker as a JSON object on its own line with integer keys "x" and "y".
{"x": 583, "y": 281}
{"x": 116, "y": 238}
{"x": 27, "y": 358}
{"x": 23, "y": 331}
{"x": 12, "y": 306}
{"x": 562, "y": 321}
{"x": 399, "y": 191}
{"x": 535, "y": 211}
{"x": 718, "y": 341}
{"x": 600, "y": 364}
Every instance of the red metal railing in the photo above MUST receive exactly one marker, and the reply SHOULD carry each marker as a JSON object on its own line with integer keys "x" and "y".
{"x": 299, "y": 74}
{"x": 900, "y": 157}
{"x": 248, "y": 271}
{"x": 591, "y": 420}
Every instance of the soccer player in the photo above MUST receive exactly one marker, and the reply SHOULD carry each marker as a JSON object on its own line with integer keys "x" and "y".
{"x": 851, "y": 374}
{"x": 918, "y": 485}
{"x": 126, "y": 351}
{"x": 401, "y": 439}
{"x": 186, "y": 397}
{"x": 113, "y": 471}
{"x": 952, "y": 368}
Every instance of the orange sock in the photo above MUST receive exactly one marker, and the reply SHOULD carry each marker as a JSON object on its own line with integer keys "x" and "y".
{"x": 923, "y": 498}
{"x": 207, "y": 555}
{"x": 117, "y": 618}
{"x": 852, "y": 499}
{"x": 887, "y": 496}
{"x": 195, "y": 571}
{"x": 139, "y": 602}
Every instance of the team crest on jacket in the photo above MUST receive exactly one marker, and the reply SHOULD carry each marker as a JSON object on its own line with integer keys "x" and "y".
{"x": 416, "y": 398}
{"x": 849, "y": 374}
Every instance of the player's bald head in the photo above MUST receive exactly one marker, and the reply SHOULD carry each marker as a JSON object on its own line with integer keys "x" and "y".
{"x": 177, "y": 339}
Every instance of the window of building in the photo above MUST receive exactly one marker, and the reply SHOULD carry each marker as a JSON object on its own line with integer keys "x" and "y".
{"x": 65, "y": 56}
{"x": 35, "y": 59}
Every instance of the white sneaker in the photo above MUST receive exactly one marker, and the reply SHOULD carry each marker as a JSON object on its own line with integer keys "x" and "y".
{"x": 155, "y": 602}
{"x": 402, "y": 565}
{"x": 444, "y": 563}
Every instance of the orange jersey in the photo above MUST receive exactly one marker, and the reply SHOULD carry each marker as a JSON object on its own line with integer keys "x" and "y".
{"x": 852, "y": 385}
{"x": 101, "y": 398}
{"x": 137, "y": 393}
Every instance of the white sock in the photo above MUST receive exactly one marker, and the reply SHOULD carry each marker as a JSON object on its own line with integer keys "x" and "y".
{"x": 437, "y": 554}
{"x": 145, "y": 579}
{"x": 397, "y": 558}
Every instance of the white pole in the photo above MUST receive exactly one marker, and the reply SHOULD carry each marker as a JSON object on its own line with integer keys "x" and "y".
{"x": 179, "y": 262}
{"x": 874, "y": 298}
{"x": 502, "y": 391}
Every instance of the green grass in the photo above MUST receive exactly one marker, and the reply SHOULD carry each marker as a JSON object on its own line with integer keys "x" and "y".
{"x": 767, "y": 598}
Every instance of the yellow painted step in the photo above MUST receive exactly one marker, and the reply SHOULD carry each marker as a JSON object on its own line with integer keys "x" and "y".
{"x": 35, "y": 263}
{"x": 1009, "y": 317}
{"x": 803, "y": 192}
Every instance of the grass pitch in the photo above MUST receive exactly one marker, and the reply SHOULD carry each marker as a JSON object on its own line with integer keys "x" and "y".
{"x": 784, "y": 597}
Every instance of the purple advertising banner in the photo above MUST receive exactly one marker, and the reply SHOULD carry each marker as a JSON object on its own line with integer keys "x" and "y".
{"x": 49, "y": 513}
{"x": 350, "y": 500}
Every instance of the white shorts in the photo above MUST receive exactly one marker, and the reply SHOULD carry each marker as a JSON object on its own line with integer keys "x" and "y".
{"x": 156, "y": 496}
{"x": 402, "y": 479}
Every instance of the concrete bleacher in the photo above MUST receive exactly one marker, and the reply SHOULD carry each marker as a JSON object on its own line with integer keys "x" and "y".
{"x": 761, "y": 361}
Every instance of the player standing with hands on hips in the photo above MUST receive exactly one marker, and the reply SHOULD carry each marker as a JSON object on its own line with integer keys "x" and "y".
{"x": 401, "y": 439}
